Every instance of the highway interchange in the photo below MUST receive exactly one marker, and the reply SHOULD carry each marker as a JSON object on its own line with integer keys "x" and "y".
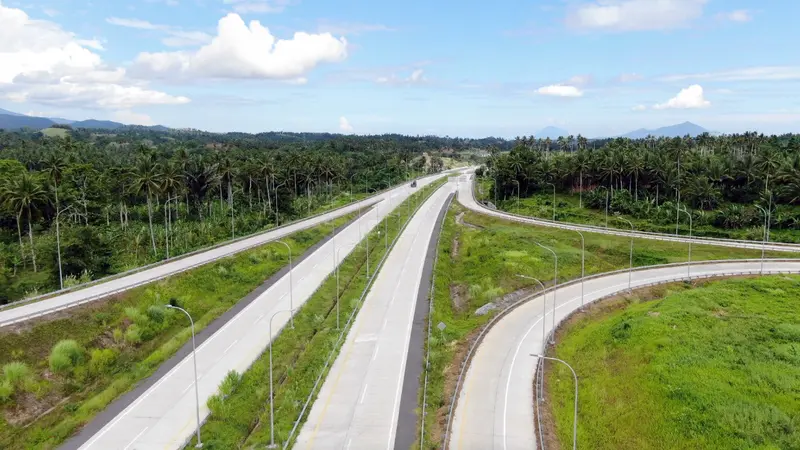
{"x": 359, "y": 402}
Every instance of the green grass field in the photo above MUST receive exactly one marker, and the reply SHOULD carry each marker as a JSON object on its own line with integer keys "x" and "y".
{"x": 478, "y": 263}
{"x": 55, "y": 132}
{"x": 715, "y": 367}
{"x": 121, "y": 341}
{"x": 240, "y": 412}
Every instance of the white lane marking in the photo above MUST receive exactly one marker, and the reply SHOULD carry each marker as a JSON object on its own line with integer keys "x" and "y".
{"x": 134, "y": 439}
{"x": 349, "y": 441}
{"x": 363, "y": 393}
{"x": 229, "y": 347}
{"x": 375, "y": 354}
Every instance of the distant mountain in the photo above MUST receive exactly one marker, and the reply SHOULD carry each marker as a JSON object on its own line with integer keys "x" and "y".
{"x": 9, "y": 113}
{"x": 16, "y": 122}
{"x": 679, "y": 130}
{"x": 551, "y": 132}
{"x": 97, "y": 124}
{"x": 61, "y": 121}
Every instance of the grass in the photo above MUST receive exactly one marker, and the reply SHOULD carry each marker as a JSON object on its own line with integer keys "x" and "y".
{"x": 115, "y": 343}
{"x": 240, "y": 412}
{"x": 55, "y": 132}
{"x": 715, "y": 367}
{"x": 478, "y": 265}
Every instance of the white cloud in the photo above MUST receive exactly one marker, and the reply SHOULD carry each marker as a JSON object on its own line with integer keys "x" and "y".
{"x": 129, "y": 117}
{"x": 739, "y": 15}
{"x": 629, "y": 77}
{"x": 579, "y": 80}
{"x": 42, "y": 63}
{"x": 242, "y": 51}
{"x": 689, "y": 98}
{"x": 634, "y": 15}
{"x": 344, "y": 125}
{"x": 639, "y": 108}
{"x": 764, "y": 73}
{"x": 417, "y": 76}
{"x": 258, "y": 6}
{"x": 175, "y": 37}
{"x": 560, "y": 90}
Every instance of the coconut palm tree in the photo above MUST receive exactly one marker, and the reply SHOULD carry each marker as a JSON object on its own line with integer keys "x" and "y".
{"x": 147, "y": 180}
{"x": 23, "y": 195}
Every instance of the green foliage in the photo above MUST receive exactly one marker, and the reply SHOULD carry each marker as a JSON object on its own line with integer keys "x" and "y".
{"x": 101, "y": 360}
{"x": 6, "y": 391}
{"x": 16, "y": 373}
{"x": 716, "y": 366}
{"x": 66, "y": 355}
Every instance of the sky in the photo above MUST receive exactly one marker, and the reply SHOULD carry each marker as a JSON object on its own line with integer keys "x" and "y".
{"x": 445, "y": 67}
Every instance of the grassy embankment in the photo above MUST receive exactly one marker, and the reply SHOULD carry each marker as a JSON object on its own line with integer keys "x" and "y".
{"x": 118, "y": 342}
{"x": 568, "y": 210}
{"x": 240, "y": 413}
{"x": 478, "y": 265}
{"x": 715, "y": 367}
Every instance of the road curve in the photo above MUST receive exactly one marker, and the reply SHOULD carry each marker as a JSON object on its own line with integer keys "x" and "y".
{"x": 163, "y": 416}
{"x": 359, "y": 403}
{"x": 103, "y": 289}
{"x": 466, "y": 196}
{"x": 494, "y": 410}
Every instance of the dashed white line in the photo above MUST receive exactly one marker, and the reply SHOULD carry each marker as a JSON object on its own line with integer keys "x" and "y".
{"x": 363, "y": 393}
{"x": 134, "y": 439}
{"x": 229, "y": 347}
{"x": 375, "y": 354}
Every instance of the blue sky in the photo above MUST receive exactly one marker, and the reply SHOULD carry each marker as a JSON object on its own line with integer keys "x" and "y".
{"x": 463, "y": 68}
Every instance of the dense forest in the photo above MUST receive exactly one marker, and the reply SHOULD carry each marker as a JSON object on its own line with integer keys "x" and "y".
{"x": 729, "y": 182}
{"x": 97, "y": 203}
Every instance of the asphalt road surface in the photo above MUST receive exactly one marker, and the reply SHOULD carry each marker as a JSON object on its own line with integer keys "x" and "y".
{"x": 163, "y": 417}
{"x": 466, "y": 197}
{"x": 100, "y": 290}
{"x": 359, "y": 403}
{"x": 495, "y": 406}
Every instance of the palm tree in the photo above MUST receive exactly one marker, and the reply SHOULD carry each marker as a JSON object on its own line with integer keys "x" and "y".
{"x": 146, "y": 180}
{"x": 23, "y": 195}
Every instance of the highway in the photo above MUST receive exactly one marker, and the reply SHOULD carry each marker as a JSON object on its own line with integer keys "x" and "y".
{"x": 163, "y": 417}
{"x": 97, "y": 291}
{"x": 466, "y": 197}
{"x": 494, "y": 410}
{"x": 359, "y": 403}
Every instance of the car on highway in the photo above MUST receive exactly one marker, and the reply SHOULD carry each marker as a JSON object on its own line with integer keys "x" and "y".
{"x": 414, "y": 183}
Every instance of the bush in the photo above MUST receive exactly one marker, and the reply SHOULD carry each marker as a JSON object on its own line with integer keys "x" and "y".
{"x": 16, "y": 373}
{"x": 101, "y": 359}
{"x": 65, "y": 355}
{"x": 156, "y": 313}
{"x": 136, "y": 317}
{"x": 6, "y": 391}
{"x": 133, "y": 334}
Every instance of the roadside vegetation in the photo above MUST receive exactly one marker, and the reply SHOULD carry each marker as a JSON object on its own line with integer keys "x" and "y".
{"x": 478, "y": 260}
{"x": 717, "y": 366}
{"x": 60, "y": 370}
{"x": 240, "y": 411}
{"x": 729, "y": 184}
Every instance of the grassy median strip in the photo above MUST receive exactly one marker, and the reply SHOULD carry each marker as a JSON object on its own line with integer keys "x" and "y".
{"x": 240, "y": 412}
{"x": 78, "y": 361}
{"x": 717, "y": 366}
{"x": 479, "y": 257}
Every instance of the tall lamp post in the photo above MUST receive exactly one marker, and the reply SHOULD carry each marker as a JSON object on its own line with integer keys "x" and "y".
{"x": 554, "y": 201}
{"x": 291, "y": 293}
{"x": 555, "y": 283}
{"x": 630, "y": 269}
{"x": 583, "y": 262}
{"x": 544, "y": 314}
{"x": 271, "y": 398}
{"x": 196, "y": 389}
{"x": 58, "y": 245}
{"x": 337, "y": 279}
{"x": 575, "y": 416}
{"x": 689, "y": 268}
{"x": 518, "y": 189}
{"x": 764, "y": 239}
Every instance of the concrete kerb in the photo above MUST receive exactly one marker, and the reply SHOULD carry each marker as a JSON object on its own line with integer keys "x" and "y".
{"x": 466, "y": 362}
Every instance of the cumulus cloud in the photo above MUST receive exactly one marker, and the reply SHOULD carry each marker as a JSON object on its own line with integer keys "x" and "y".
{"x": 417, "y": 76}
{"x": 242, "y": 51}
{"x": 560, "y": 90}
{"x": 634, "y": 15}
{"x": 689, "y": 98}
{"x": 129, "y": 117}
{"x": 173, "y": 36}
{"x": 739, "y": 15}
{"x": 344, "y": 125}
{"x": 41, "y": 62}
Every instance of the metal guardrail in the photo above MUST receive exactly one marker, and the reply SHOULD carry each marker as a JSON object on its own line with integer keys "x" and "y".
{"x": 476, "y": 343}
{"x": 193, "y": 266}
{"x": 742, "y": 243}
{"x": 351, "y": 318}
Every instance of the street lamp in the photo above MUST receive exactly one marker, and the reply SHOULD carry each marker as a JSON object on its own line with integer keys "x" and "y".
{"x": 271, "y": 398}
{"x": 337, "y": 279}
{"x": 544, "y": 314}
{"x": 291, "y": 293}
{"x": 583, "y": 262}
{"x": 764, "y": 239}
{"x": 58, "y": 245}
{"x": 277, "y": 213}
{"x": 518, "y": 189}
{"x": 689, "y": 268}
{"x": 554, "y": 200}
{"x": 555, "y": 283}
{"x": 630, "y": 270}
{"x": 575, "y": 416}
{"x": 196, "y": 389}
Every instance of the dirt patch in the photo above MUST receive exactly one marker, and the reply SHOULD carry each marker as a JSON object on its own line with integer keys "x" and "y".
{"x": 456, "y": 246}
{"x": 458, "y": 295}
{"x": 460, "y": 221}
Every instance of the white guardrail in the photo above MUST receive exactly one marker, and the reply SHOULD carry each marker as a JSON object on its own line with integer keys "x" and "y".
{"x": 195, "y": 252}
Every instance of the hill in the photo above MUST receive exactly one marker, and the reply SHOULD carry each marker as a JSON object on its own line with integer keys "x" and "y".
{"x": 10, "y": 113}
{"x": 551, "y": 132}
{"x": 11, "y": 122}
{"x": 97, "y": 124}
{"x": 679, "y": 130}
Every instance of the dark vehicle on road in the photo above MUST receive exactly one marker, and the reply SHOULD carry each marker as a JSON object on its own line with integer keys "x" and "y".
{"x": 414, "y": 183}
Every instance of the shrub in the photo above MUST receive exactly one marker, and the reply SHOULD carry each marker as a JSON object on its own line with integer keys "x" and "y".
{"x": 118, "y": 336}
{"x": 133, "y": 334}
{"x": 136, "y": 316}
{"x": 6, "y": 391}
{"x": 101, "y": 359}
{"x": 156, "y": 313}
{"x": 16, "y": 372}
{"x": 65, "y": 355}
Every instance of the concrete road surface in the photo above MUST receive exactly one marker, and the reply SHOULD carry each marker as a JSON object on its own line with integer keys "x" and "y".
{"x": 495, "y": 407}
{"x": 466, "y": 197}
{"x": 163, "y": 417}
{"x": 100, "y": 290}
{"x": 358, "y": 405}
